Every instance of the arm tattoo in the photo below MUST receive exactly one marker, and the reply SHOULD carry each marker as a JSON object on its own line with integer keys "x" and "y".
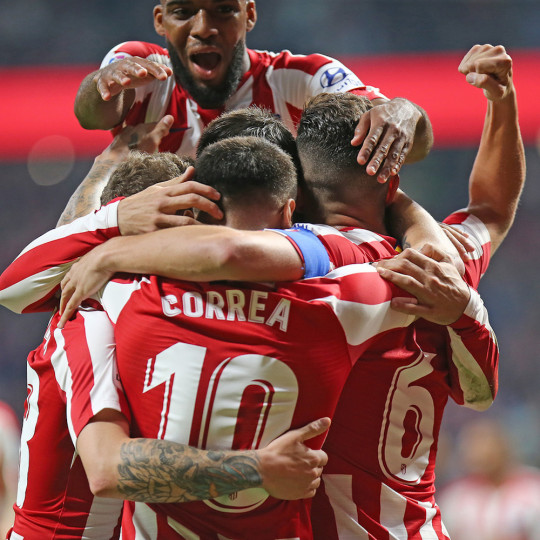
{"x": 405, "y": 243}
{"x": 86, "y": 196}
{"x": 162, "y": 471}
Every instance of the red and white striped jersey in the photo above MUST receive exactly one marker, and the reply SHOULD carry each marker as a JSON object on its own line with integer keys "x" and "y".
{"x": 476, "y": 509}
{"x": 379, "y": 480}
{"x": 222, "y": 366}
{"x": 31, "y": 281}
{"x": 71, "y": 377}
{"x": 280, "y": 82}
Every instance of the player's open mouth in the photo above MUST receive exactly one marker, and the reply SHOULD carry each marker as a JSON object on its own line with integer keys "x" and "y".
{"x": 205, "y": 64}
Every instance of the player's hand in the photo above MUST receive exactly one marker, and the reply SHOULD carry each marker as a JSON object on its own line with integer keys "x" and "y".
{"x": 291, "y": 470}
{"x": 156, "y": 207}
{"x": 85, "y": 278}
{"x": 490, "y": 68}
{"x": 144, "y": 137}
{"x": 386, "y": 133}
{"x": 432, "y": 278}
{"x": 131, "y": 72}
{"x": 460, "y": 241}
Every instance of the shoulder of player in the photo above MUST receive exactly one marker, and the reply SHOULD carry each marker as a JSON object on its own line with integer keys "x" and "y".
{"x": 309, "y": 64}
{"x": 137, "y": 48}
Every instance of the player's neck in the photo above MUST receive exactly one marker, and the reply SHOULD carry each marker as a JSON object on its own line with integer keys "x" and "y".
{"x": 369, "y": 217}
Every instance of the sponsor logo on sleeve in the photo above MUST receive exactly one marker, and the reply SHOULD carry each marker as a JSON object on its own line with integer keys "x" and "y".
{"x": 117, "y": 57}
{"x": 333, "y": 76}
{"x": 338, "y": 79}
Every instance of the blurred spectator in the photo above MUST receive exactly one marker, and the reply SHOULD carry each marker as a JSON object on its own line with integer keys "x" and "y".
{"x": 10, "y": 434}
{"x": 498, "y": 498}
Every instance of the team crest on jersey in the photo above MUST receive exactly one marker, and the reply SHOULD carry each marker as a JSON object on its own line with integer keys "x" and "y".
{"x": 333, "y": 76}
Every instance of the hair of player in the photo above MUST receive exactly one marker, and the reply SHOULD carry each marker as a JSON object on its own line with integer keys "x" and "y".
{"x": 247, "y": 171}
{"x": 325, "y": 132}
{"x": 141, "y": 170}
{"x": 250, "y": 122}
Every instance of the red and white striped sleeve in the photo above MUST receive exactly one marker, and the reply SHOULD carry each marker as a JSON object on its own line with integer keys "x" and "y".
{"x": 84, "y": 364}
{"x": 362, "y": 305}
{"x": 30, "y": 283}
{"x": 351, "y": 245}
{"x": 479, "y": 259}
{"x": 475, "y": 357}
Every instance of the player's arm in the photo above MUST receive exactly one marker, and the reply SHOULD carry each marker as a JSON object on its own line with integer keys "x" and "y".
{"x": 441, "y": 293}
{"x": 143, "y": 137}
{"x": 106, "y": 95}
{"x": 392, "y": 132}
{"x": 160, "y": 471}
{"x": 31, "y": 282}
{"x": 202, "y": 253}
{"x": 414, "y": 227}
{"x": 498, "y": 173}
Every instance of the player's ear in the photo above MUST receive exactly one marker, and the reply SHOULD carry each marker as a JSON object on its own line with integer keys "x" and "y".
{"x": 393, "y": 184}
{"x": 287, "y": 213}
{"x": 158, "y": 19}
{"x": 251, "y": 14}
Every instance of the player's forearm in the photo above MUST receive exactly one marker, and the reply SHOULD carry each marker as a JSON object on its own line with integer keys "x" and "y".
{"x": 86, "y": 197}
{"x": 95, "y": 113}
{"x": 498, "y": 173}
{"x": 475, "y": 357}
{"x": 414, "y": 226}
{"x": 205, "y": 253}
{"x": 162, "y": 472}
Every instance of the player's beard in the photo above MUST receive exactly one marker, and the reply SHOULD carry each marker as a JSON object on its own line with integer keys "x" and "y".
{"x": 209, "y": 97}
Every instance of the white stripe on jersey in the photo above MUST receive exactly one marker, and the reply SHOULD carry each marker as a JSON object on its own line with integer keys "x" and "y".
{"x": 26, "y": 292}
{"x": 102, "y": 348}
{"x": 195, "y": 129}
{"x": 378, "y": 317}
{"x": 392, "y": 513}
{"x": 116, "y": 295}
{"x": 338, "y": 488}
{"x": 477, "y": 310}
{"x": 356, "y": 236}
{"x": 477, "y": 391}
{"x": 62, "y": 374}
{"x": 28, "y": 431}
{"x": 144, "y": 522}
{"x": 102, "y": 518}
{"x": 477, "y": 231}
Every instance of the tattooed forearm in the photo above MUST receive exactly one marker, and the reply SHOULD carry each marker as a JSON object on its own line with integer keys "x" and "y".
{"x": 163, "y": 471}
{"x": 86, "y": 196}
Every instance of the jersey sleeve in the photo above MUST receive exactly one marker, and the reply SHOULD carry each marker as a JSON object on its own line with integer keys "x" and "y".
{"x": 477, "y": 264}
{"x": 296, "y": 78}
{"x": 348, "y": 245}
{"x": 475, "y": 357}
{"x": 30, "y": 283}
{"x": 85, "y": 368}
{"x": 141, "y": 49}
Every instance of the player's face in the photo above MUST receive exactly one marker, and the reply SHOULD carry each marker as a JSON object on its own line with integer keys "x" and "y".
{"x": 206, "y": 41}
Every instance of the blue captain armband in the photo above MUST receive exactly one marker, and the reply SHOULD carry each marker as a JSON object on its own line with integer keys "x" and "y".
{"x": 313, "y": 253}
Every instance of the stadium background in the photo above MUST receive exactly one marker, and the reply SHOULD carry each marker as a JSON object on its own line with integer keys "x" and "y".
{"x": 406, "y": 47}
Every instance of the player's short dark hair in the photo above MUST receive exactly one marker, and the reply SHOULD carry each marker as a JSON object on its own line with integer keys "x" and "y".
{"x": 326, "y": 129}
{"x": 141, "y": 170}
{"x": 247, "y": 170}
{"x": 250, "y": 122}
